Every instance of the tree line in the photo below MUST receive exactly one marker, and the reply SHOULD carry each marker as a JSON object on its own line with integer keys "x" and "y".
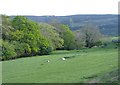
{"x": 22, "y": 37}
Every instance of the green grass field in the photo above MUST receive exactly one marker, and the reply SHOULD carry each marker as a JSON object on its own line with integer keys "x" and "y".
{"x": 85, "y": 65}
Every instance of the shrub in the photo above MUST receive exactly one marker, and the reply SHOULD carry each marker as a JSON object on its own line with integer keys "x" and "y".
{"x": 8, "y": 51}
{"x": 98, "y": 43}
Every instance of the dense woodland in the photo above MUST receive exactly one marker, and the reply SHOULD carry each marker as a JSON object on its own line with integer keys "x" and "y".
{"x": 22, "y": 37}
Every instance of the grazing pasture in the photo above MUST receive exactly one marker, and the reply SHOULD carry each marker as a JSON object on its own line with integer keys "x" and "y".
{"x": 85, "y": 65}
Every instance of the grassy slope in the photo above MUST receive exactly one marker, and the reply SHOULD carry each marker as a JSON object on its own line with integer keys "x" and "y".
{"x": 87, "y": 63}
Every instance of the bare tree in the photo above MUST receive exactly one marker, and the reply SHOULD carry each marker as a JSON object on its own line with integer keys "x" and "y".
{"x": 79, "y": 40}
{"x": 90, "y": 34}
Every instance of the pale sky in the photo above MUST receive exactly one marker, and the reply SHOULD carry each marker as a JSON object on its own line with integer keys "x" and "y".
{"x": 58, "y": 7}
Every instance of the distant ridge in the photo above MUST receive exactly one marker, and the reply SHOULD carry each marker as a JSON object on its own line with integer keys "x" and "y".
{"x": 108, "y": 23}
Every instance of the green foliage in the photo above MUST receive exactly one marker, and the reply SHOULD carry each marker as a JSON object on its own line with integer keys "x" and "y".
{"x": 44, "y": 47}
{"x": 69, "y": 38}
{"x": 21, "y": 49}
{"x": 29, "y": 34}
{"x": 8, "y": 51}
{"x": 23, "y": 38}
{"x": 98, "y": 43}
{"x": 52, "y": 36}
{"x": 67, "y": 35}
{"x": 28, "y": 38}
{"x": 6, "y": 27}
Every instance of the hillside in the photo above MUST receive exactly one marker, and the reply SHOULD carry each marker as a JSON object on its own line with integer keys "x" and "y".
{"x": 108, "y": 24}
{"x": 87, "y": 65}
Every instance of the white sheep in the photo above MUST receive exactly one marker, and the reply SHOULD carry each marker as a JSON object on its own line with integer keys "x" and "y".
{"x": 95, "y": 46}
{"x": 48, "y": 61}
{"x": 63, "y": 59}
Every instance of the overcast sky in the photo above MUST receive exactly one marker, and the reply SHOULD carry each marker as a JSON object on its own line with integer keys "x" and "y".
{"x": 58, "y": 7}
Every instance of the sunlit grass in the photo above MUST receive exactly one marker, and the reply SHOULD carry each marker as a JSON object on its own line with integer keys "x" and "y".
{"x": 81, "y": 68}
